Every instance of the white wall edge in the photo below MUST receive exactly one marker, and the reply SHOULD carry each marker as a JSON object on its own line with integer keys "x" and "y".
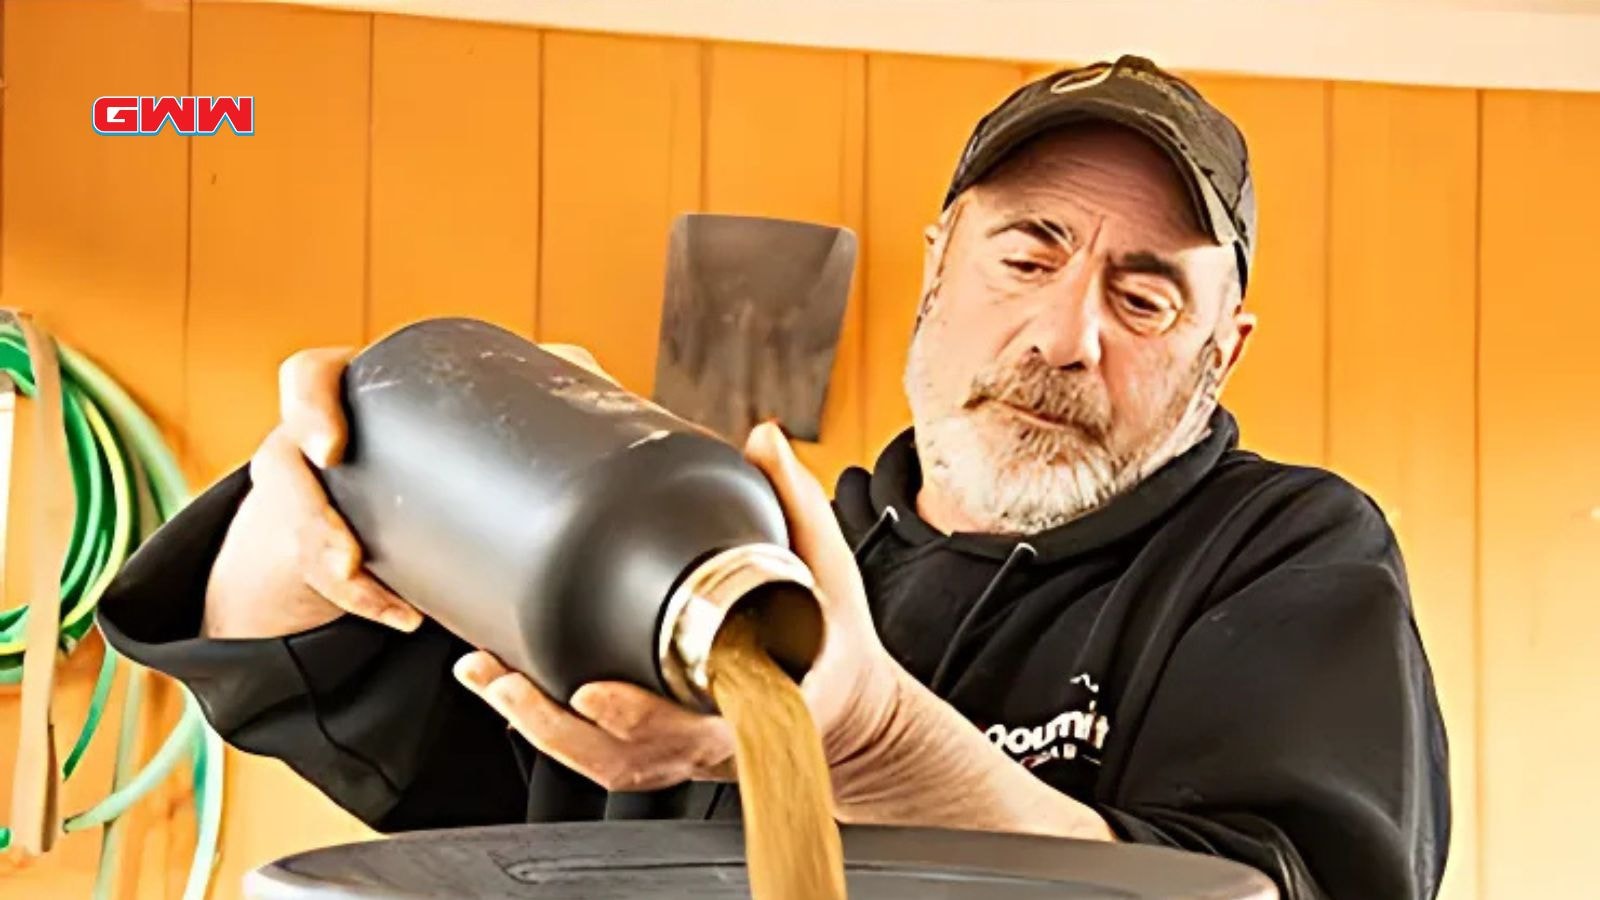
{"x": 1481, "y": 44}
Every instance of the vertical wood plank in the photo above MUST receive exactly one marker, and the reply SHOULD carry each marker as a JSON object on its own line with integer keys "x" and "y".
{"x": 278, "y": 239}
{"x": 920, "y": 111}
{"x": 622, "y": 158}
{"x": 95, "y": 226}
{"x": 278, "y": 258}
{"x": 1402, "y": 395}
{"x": 94, "y": 243}
{"x": 1540, "y": 492}
{"x": 455, "y": 173}
{"x": 1279, "y": 392}
{"x": 784, "y": 137}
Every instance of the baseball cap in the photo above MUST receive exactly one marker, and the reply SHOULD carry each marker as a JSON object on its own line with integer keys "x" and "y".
{"x": 1204, "y": 144}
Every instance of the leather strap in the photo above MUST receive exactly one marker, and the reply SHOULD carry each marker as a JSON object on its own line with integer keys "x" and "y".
{"x": 40, "y": 508}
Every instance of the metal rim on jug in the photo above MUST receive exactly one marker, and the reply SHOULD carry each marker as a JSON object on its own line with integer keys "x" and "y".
{"x": 704, "y": 599}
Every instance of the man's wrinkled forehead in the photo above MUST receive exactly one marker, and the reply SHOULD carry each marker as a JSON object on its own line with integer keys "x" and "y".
{"x": 1073, "y": 176}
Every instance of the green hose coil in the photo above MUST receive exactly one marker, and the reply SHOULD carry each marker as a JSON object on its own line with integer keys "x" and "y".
{"x": 127, "y": 483}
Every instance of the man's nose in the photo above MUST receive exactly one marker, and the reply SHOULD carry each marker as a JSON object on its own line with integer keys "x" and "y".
{"x": 1066, "y": 327}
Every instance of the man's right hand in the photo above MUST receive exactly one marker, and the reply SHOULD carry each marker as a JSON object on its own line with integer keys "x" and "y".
{"x": 289, "y": 563}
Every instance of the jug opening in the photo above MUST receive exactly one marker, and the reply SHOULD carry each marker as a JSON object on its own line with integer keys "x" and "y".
{"x": 769, "y": 582}
{"x": 788, "y": 624}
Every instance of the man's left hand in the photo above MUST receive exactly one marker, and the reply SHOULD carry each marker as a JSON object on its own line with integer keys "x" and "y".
{"x": 626, "y": 738}
{"x": 897, "y": 754}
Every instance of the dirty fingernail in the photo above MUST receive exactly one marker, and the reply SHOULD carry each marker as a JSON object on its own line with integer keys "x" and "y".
{"x": 472, "y": 669}
{"x": 401, "y": 618}
{"x": 319, "y": 448}
{"x": 504, "y": 689}
{"x": 587, "y": 701}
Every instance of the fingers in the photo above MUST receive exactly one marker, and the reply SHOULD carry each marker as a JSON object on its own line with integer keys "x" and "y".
{"x": 632, "y": 714}
{"x": 645, "y": 743}
{"x": 328, "y": 555}
{"x": 579, "y": 745}
{"x": 574, "y": 743}
{"x": 812, "y": 527}
{"x": 310, "y": 402}
{"x": 361, "y": 594}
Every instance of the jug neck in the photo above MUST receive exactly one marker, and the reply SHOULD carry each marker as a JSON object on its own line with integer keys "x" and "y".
{"x": 767, "y": 580}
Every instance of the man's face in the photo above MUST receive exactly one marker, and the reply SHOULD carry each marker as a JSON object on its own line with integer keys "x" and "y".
{"x": 1077, "y": 325}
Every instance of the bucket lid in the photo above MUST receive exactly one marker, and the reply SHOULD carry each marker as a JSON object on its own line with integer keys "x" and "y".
{"x": 684, "y": 860}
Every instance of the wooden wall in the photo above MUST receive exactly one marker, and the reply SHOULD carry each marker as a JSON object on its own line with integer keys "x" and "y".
{"x": 1426, "y": 320}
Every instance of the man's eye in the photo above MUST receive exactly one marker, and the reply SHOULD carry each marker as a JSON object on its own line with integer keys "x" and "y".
{"x": 1143, "y": 305}
{"x": 1025, "y": 266}
{"x": 1146, "y": 313}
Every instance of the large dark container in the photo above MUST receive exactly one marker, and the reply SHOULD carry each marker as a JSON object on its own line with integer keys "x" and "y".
{"x": 576, "y": 530}
{"x": 705, "y": 861}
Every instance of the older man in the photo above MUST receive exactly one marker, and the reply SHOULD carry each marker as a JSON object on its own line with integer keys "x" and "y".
{"x": 1074, "y": 606}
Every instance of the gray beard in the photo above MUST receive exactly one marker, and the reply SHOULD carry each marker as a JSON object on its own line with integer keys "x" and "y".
{"x": 1013, "y": 477}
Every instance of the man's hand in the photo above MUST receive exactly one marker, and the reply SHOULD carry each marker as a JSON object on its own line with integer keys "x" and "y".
{"x": 626, "y": 738}
{"x": 897, "y": 754}
{"x": 289, "y": 563}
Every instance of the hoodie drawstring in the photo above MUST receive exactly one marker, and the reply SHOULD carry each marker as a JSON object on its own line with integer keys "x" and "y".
{"x": 975, "y": 614}
{"x": 876, "y": 533}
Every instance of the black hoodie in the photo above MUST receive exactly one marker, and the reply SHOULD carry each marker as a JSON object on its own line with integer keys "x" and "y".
{"x": 1222, "y": 659}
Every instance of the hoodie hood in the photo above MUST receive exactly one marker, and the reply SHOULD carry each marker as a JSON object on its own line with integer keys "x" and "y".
{"x": 889, "y": 495}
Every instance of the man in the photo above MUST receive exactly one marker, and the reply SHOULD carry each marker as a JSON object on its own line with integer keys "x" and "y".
{"x": 1074, "y": 606}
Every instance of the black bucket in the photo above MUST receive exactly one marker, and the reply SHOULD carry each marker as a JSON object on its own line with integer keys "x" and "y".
{"x": 705, "y": 860}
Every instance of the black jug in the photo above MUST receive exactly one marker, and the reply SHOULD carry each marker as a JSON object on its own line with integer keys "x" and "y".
{"x": 575, "y": 530}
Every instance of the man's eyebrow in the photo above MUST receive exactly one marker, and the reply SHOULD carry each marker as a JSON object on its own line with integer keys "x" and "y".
{"x": 1144, "y": 262}
{"x": 1048, "y": 231}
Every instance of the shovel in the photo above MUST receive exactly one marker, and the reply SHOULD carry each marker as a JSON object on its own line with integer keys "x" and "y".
{"x": 751, "y": 321}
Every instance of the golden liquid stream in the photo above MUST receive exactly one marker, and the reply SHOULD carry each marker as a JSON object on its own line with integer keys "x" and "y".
{"x": 792, "y": 849}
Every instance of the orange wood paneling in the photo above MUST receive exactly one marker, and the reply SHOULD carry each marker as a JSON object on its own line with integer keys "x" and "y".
{"x": 1401, "y": 391}
{"x": 96, "y": 226}
{"x": 920, "y": 111}
{"x": 278, "y": 262}
{"x": 278, "y": 240}
{"x": 455, "y": 173}
{"x": 622, "y": 158}
{"x": 785, "y": 131}
{"x": 1279, "y": 391}
{"x": 94, "y": 244}
{"x": 1539, "y": 421}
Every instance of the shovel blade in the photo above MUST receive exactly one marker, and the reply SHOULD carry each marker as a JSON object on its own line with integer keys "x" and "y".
{"x": 751, "y": 323}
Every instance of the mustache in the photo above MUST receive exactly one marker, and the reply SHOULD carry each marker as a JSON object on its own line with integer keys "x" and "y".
{"x": 1063, "y": 397}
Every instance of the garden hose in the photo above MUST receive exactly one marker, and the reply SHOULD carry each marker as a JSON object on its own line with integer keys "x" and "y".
{"x": 126, "y": 482}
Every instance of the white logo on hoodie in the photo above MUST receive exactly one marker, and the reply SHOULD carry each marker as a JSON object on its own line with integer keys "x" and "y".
{"x": 1060, "y": 738}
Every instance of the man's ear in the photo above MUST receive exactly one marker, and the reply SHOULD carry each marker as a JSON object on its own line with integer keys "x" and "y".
{"x": 936, "y": 241}
{"x": 932, "y": 264}
{"x": 1244, "y": 325}
{"x": 933, "y": 240}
